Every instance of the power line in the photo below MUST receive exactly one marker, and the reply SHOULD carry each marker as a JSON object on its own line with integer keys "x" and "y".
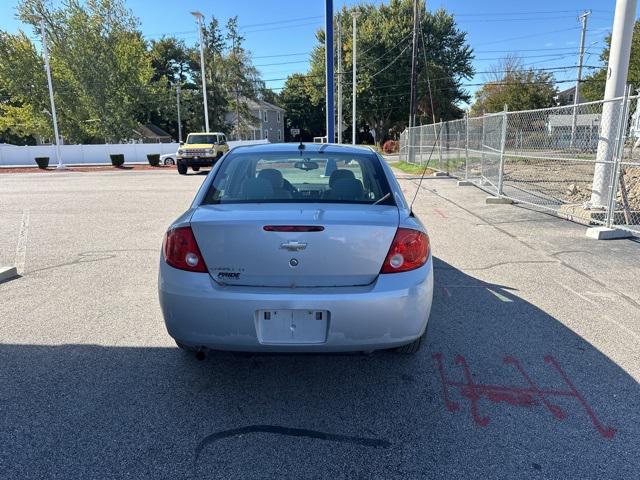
{"x": 280, "y": 28}
{"x": 284, "y": 55}
{"x": 493, "y": 20}
{"x": 276, "y": 22}
{"x": 528, "y": 36}
{"x": 521, "y": 13}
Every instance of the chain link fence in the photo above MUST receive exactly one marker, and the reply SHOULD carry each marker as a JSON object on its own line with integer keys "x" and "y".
{"x": 580, "y": 162}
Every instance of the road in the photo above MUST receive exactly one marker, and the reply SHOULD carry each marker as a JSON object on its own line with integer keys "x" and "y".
{"x": 530, "y": 369}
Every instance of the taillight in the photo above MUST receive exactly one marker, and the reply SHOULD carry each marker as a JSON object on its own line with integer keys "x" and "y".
{"x": 409, "y": 250}
{"x": 181, "y": 250}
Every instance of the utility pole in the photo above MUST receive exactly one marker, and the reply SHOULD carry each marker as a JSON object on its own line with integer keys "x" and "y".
{"x": 583, "y": 33}
{"x": 354, "y": 18}
{"x": 54, "y": 117}
{"x": 199, "y": 18}
{"x": 330, "y": 107}
{"x": 179, "y": 122}
{"x": 414, "y": 70}
{"x": 339, "y": 25}
{"x": 619, "y": 53}
{"x": 235, "y": 57}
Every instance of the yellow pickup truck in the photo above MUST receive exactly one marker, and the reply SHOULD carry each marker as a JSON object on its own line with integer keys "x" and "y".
{"x": 201, "y": 150}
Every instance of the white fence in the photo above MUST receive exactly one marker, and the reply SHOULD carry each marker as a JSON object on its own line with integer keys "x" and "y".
{"x": 11, "y": 155}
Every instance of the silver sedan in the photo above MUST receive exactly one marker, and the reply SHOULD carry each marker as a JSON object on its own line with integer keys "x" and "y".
{"x": 297, "y": 248}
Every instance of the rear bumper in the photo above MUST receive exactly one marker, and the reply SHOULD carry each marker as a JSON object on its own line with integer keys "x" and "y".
{"x": 393, "y": 311}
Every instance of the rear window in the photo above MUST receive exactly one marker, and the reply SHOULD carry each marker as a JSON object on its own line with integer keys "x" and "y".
{"x": 294, "y": 178}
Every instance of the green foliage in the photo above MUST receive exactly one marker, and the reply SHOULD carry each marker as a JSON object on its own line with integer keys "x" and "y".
{"x": 100, "y": 67}
{"x": 384, "y": 69}
{"x": 593, "y": 85}
{"x": 23, "y": 89}
{"x": 107, "y": 79}
{"x": 305, "y": 109}
{"x": 515, "y": 86}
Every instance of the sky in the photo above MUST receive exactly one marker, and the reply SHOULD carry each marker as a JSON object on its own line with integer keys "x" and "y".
{"x": 281, "y": 33}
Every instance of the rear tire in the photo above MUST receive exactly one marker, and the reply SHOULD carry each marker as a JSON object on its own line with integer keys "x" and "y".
{"x": 182, "y": 168}
{"x": 195, "y": 169}
{"x": 410, "y": 348}
{"x": 186, "y": 348}
{"x": 169, "y": 161}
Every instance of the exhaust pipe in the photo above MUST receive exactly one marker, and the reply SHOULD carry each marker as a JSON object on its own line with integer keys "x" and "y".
{"x": 200, "y": 355}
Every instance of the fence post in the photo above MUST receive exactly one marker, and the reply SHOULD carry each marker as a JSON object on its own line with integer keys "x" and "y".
{"x": 440, "y": 147}
{"x": 503, "y": 142}
{"x": 617, "y": 158}
{"x": 466, "y": 146}
{"x": 482, "y": 140}
{"x": 458, "y": 149}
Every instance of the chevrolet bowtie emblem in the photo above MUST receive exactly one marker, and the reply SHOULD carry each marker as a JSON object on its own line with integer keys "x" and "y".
{"x": 293, "y": 246}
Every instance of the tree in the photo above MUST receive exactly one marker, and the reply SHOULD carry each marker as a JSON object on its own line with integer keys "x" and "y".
{"x": 100, "y": 67}
{"x": 23, "y": 90}
{"x": 593, "y": 85}
{"x": 303, "y": 110}
{"x": 515, "y": 86}
{"x": 384, "y": 66}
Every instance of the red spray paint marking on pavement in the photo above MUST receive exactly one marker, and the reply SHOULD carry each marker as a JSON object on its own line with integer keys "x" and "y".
{"x": 440, "y": 213}
{"x": 525, "y": 396}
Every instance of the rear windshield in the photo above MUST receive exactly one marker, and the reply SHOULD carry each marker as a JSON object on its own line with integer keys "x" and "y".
{"x": 294, "y": 178}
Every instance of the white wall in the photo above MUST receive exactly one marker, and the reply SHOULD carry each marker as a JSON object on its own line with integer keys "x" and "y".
{"x": 91, "y": 154}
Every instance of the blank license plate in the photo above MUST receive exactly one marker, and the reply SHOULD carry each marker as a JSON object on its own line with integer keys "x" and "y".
{"x": 292, "y": 326}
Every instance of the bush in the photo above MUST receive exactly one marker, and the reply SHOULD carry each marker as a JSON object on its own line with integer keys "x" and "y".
{"x": 154, "y": 159}
{"x": 43, "y": 162}
{"x": 117, "y": 159}
{"x": 391, "y": 146}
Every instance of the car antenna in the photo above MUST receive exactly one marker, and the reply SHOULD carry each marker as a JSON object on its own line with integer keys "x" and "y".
{"x": 435, "y": 142}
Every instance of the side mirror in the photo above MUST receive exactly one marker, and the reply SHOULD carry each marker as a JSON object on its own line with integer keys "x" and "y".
{"x": 181, "y": 143}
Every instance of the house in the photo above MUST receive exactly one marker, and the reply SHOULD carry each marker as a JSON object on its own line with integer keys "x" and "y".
{"x": 267, "y": 122}
{"x": 587, "y": 125}
{"x": 150, "y": 133}
{"x": 565, "y": 97}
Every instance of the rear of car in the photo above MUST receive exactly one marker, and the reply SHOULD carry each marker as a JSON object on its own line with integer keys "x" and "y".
{"x": 201, "y": 150}
{"x": 297, "y": 249}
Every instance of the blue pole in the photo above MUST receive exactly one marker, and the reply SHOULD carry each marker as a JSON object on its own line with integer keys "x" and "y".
{"x": 329, "y": 68}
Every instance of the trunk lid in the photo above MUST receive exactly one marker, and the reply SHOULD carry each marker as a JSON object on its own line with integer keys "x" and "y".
{"x": 349, "y": 250}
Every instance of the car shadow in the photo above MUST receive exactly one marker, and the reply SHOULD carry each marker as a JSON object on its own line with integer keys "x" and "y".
{"x": 480, "y": 400}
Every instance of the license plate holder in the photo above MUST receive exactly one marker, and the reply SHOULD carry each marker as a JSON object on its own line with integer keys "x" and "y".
{"x": 291, "y": 327}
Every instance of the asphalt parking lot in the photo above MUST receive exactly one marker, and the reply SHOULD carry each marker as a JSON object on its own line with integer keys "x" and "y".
{"x": 530, "y": 370}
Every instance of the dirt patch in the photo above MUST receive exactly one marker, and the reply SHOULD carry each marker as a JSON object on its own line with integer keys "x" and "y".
{"x": 84, "y": 168}
{"x": 565, "y": 182}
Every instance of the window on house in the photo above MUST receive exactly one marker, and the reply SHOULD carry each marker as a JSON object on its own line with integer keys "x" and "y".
{"x": 264, "y": 115}
{"x": 266, "y": 134}
{"x": 278, "y": 117}
{"x": 279, "y": 135}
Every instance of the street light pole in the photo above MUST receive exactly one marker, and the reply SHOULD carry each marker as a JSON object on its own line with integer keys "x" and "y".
{"x": 53, "y": 104}
{"x": 354, "y": 17}
{"x": 339, "y": 26}
{"x": 179, "y": 122}
{"x": 330, "y": 107}
{"x": 199, "y": 18}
